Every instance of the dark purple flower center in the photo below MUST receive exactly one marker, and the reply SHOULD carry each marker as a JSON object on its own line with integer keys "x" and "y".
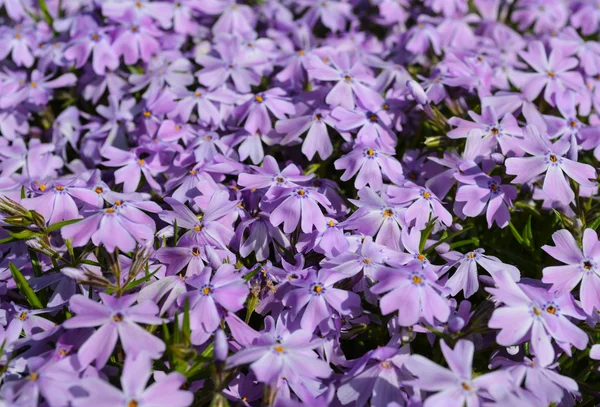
{"x": 118, "y": 317}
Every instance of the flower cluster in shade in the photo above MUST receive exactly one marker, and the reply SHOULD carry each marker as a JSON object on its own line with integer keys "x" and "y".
{"x": 321, "y": 197}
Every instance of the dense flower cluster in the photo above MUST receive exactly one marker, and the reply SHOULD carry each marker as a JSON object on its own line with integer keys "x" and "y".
{"x": 299, "y": 202}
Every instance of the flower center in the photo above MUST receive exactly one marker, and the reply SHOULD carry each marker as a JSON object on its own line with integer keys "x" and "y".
{"x": 416, "y": 279}
{"x": 318, "y": 117}
{"x": 110, "y": 210}
{"x": 95, "y": 37}
{"x": 33, "y": 84}
{"x": 370, "y": 152}
{"x": 147, "y": 113}
{"x": 537, "y": 311}
{"x": 206, "y": 290}
{"x": 420, "y": 257}
{"x": 317, "y": 288}
{"x": 259, "y": 98}
{"x": 347, "y": 78}
{"x": 301, "y": 192}
{"x": 573, "y": 123}
{"x": 59, "y": 188}
{"x": 388, "y": 213}
{"x": 198, "y": 228}
{"x": 300, "y": 52}
{"x": 331, "y": 224}
{"x": 132, "y": 403}
{"x": 551, "y": 74}
{"x": 553, "y": 158}
{"x": 22, "y": 316}
{"x": 551, "y": 309}
{"x": 196, "y": 252}
{"x": 385, "y": 106}
{"x": 471, "y": 255}
{"x": 494, "y": 187}
{"x": 466, "y": 386}
{"x": 33, "y": 376}
{"x": 141, "y": 162}
{"x": 373, "y": 118}
{"x": 98, "y": 190}
{"x": 426, "y": 194}
{"x": 367, "y": 260}
{"x": 588, "y": 265}
{"x": 118, "y": 317}
{"x": 495, "y": 131}
{"x": 42, "y": 187}
{"x": 279, "y": 349}
{"x": 386, "y": 365}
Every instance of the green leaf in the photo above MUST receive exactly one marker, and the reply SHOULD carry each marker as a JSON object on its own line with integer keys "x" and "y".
{"x": 45, "y": 12}
{"x": 250, "y": 306}
{"x": 595, "y": 223}
{"x": 515, "y": 233}
{"x": 133, "y": 284}
{"x": 186, "y": 330}
{"x": 24, "y": 287}
{"x": 24, "y": 234}
{"x": 59, "y": 225}
{"x": 251, "y": 274}
{"x": 425, "y": 234}
{"x": 449, "y": 237}
{"x": 23, "y": 196}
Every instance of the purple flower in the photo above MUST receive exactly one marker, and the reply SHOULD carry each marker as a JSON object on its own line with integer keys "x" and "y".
{"x": 466, "y": 279}
{"x": 280, "y": 353}
{"x": 95, "y": 41}
{"x": 317, "y": 297}
{"x": 532, "y": 313}
{"x": 300, "y": 205}
{"x": 255, "y": 110}
{"x": 374, "y": 128}
{"x": 422, "y": 205}
{"x": 203, "y": 101}
{"x": 412, "y": 290}
{"x": 136, "y": 39}
{"x": 370, "y": 163}
{"x": 212, "y": 294}
{"x": 549, "y": 158}
{"x": 456, "y": 384}
{"x": 581, "y": 266}
{"x": 554, "y": 73}
{"x": 117, "y": 318}
{"x": 352, "y": 80}
{"x": 165, "y": 392}
{"x": 480, "y": 190}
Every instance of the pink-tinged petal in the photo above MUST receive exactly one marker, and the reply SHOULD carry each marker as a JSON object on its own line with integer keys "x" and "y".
{"x": 566, "y": 249}
{"x": 136, "y": 373}
{"x": 465, "y": 278}
{"x": 103, "y": 394}
{"x": 341, "y": 300}
{"x": 268, "y": 368}
{"x": 404, "y": 299}
{"x": 341, "y": 95}
{"x": 99, "y": 346}
{"x": 536, "y": 56}
{"x": 526, "y": 168}
{"x": 541, "y": 345}
{"x": 167, "y": 392}
{"x": 315, "y": 313}
{"x": 144, "y": 313}
{"x": 557, "y": 187}
{"x": 112, "y": 235}
{"x": 81, "y": 232}
{"x": 590, "y": 292}
{"x": 433, "y": 306}
{"x": 563, "y": 278}
{"x": 581, "y": 173}
{"x": 498, "y": 212}
{"x": 591, "y": 248}
{"x": 430, "y": 375}
{"x": 89, "y": 313}
{"x": 136, "y": 339}
{"x": 369, "y": 174}
{"x": 459, "y": 359}
{"x": 513, "y": 322}
{"x": 287, "y": 213}
{"x": 232, "y": 297}
{"x": 64, "y": 208}
{"x": 475, "y": 197}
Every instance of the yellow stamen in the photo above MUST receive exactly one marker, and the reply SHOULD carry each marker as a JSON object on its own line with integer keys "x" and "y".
{"x": 416, "y": 279}
{"x": 33, "y": 376}
{"x": 551, "y": 309}
{"x": 426, "y": 195}
{"x": 22, "y": 316}
{"x": 197, "y": 228}
{"x": 347, "y": 78}
{"x": 141, "y": 162}
{"x": 471, "y": 255}
{"x": 99, "y": 190}
{"x": 420, "y": 257}
{"x": 110, "y": 210}
{"x": 42, "y": 187}
{"x": 258, "y": 98}
{"x": 279, "y": 349}
{"x": 60, "y": 188}
{"x": 147, "y": 114}
{"x": 301, "y": 192}
{"x": 388, "y": 213}
{"x": 206, "y": 290}
{"x": 553, "y": 158}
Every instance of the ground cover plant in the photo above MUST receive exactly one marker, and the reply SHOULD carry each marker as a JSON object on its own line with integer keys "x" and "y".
{"x": 299, "y": 203}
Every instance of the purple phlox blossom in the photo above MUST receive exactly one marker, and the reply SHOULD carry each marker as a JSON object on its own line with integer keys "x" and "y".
{"x": 411, "y": 290}
{"x": 27, "y": 321}
{"x": 118, "y": 120}
{"x": 46, "y": 378}
{"x": 90, "y": 39}
{"x": 19, "y": 41}
{"x": 542, "y": 380}
{"x": 554, "y": 73}
{"x": 549, "y": 158}
{"x": 377, "y": 216}
{"x": 14, "y": 9}
{"x": 371, "y": 163}
{"x": 210, "y": 228}
{"x": 66, "y": 129}
{"x": 271, "y": 178}
{"x": 37, "y": 90}
{"x": 316, "y": 295}
{"x": 374, "y": 128}
{"x": 133, "y": 164}
{"x": 569, "y": 126}
{"x": 277, "y": 353}
{"x": 230, "y": 64}
{"x": 249, "y": 145}
{"x": 455, "y": 31}
{"x": 137, "y": 38}
{"x": 204, "y": 102}
{"x": 465, "y": 278}
{"x": 377, "y": 375}
{"x": 582, "y": 266}
{"x": 534, "y": 314}
{"x": 95, "y": 86}
{"x": 161, "y": 11}
{"x": 117, "y": 318}
{"x": 166, "y": 68}
{"x": 186, "y": 183}
{"x": 333, "y": 14}
{"x": 476, "y": 191}
{"x": 110, "y": 227}
{"x": 422, "y": 204}
{"x": 315, "y": 124}
{"x": 55, "y": 202}
{"x": 331, "y": 242}
{"x": 212, "y": 294}
{"x": 300, "y": 205}
{"x": 422, "y": 36}
{"x": 13, "y": 123}
{"x": 137, "y": 370}
{"x": 234, "y": 18}
{"x": 153, "y": 108}
{"x": 245, "y": 388}
{"x": 454, "y": 386}
{"x": 352, "y": 80}
{"x": 255, "y": 234}
{"x": 545, "y": 16}
{"x": 469, "y": 74}
{"x": 586, "y": 17}
{"x": 570, "y": 43}
{"x": 392, "y": 12}
{"x": 256, "y": 107}
{"x": 492, "y": 129}
{"x": 206, "y": 146}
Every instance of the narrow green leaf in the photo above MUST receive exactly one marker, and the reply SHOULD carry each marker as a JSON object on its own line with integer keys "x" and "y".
{"x": 515, "y": 233}
{"x": 24, "y": 234}
{"x": 133, "y": 284}
{"x": 425, "y": 234}
{"x": 175, "y": 233}
{"x": 24, "y": 287}
{"x": 186, "y": 330}
{"x": 59, "y": 225}
{"x": 251, "y": 274}
{"x": 45, "y": 12}
{"x": 445, "y": 239}
{"x": 474, "y": 241}
{"x": 250, "y": 306}
{"x": 23, "y": 196}
{"x": 595, "y": 223}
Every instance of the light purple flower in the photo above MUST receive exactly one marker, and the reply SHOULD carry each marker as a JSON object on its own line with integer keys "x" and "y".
{"x": 371, "y": 163}
{"x": 300, "y": 205}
